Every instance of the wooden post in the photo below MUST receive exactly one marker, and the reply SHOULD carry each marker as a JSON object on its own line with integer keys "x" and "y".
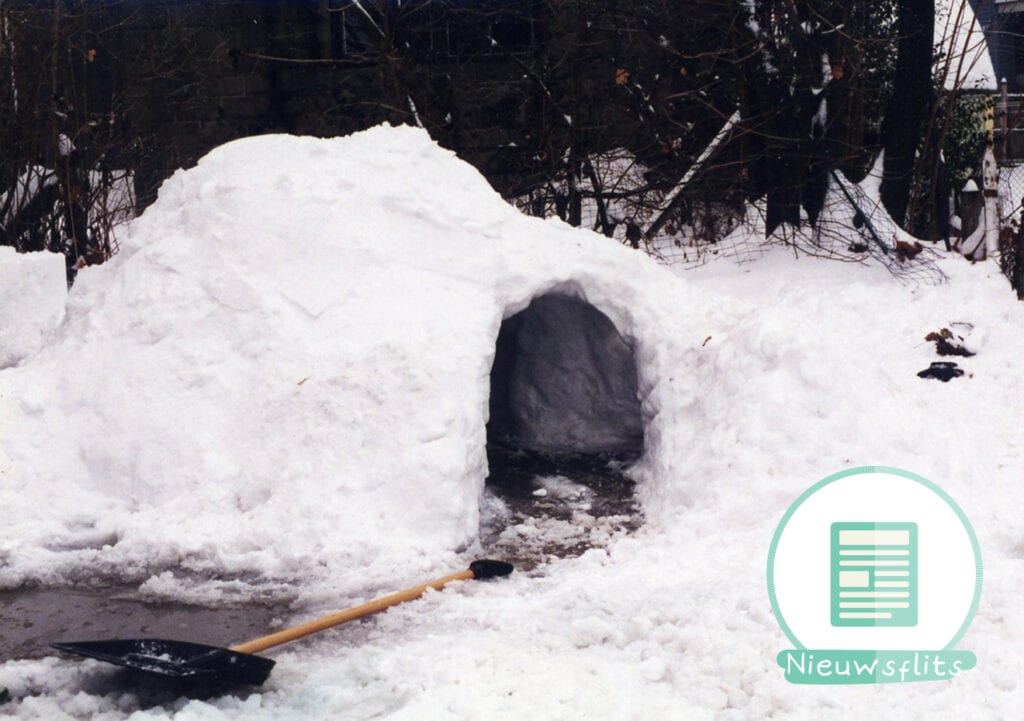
{"x": 990, "y": 189}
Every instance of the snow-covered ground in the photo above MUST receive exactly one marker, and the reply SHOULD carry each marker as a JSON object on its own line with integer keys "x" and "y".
{"x": 280, "y": 385}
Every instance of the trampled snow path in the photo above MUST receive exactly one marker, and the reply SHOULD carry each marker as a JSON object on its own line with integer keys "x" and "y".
{"x": 758, "y": 380}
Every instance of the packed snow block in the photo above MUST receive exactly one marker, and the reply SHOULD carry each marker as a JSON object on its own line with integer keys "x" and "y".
{"x": 564, "y": 381}
{"x": 34, "y": 288}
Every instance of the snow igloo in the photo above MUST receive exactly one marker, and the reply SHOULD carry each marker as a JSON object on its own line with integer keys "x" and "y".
{"x": 327, "y": 331}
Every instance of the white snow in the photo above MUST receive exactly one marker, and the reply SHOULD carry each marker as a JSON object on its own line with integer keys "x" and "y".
{"x": 290, "y": 349}
{"x": 65, "y": 146}
{"x": 369, "y": 17}
{"x": 283, "y": 378}
{"x": 34, "y": 288}
{"x": 959, "y": 36}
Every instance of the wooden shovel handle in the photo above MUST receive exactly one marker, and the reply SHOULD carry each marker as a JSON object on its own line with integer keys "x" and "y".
{"x": 335, "y": 619}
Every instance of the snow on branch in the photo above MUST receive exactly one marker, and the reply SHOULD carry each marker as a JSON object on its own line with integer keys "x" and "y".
{"x": 677, "y": 192}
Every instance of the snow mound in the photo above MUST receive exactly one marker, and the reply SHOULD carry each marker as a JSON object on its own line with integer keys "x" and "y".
{"x": 285, "y": 372}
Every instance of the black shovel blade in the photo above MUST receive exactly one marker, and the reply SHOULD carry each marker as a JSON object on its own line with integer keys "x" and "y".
{"x": 177, "y": 659}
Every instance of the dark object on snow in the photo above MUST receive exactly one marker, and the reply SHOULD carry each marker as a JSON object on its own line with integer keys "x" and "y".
{"x": 177, "y": 659}
{"x": 943, "y": 370}
{"x": 859, "y": 247}
{"x": 215, "y": 666}
{"x": 946, "y": 345}
{"x": 907, "y": 251}
{"x": 5, "y": 696}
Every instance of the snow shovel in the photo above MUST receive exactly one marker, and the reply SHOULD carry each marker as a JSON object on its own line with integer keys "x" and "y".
{"x": 196, "y": 662}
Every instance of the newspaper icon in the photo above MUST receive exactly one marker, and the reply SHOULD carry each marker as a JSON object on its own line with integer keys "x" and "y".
{"x": 874, "y": 574}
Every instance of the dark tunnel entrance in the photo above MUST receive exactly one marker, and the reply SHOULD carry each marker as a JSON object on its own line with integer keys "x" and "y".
{"x": 564, "y": 382}
{"x": 565, "y": 420}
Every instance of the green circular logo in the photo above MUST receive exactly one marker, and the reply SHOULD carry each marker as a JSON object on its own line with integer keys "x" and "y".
{"x": 874, "y": 558}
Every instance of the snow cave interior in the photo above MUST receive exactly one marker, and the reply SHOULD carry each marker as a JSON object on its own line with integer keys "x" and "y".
{"x": 565, "y": 420}
{"x": 564, "y": 382}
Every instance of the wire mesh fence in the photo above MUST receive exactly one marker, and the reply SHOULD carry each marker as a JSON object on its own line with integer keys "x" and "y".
{"x": 712, "y": 219}
{"x": 1011, "y": 225}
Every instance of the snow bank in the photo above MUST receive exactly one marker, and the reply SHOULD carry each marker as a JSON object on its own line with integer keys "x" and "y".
{"x": 293, "y": 344}
{"x": 34, "y": 291}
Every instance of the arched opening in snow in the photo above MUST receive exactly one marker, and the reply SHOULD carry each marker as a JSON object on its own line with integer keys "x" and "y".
{"x": 564, "y": 382}
{"x": 565, "y": 419}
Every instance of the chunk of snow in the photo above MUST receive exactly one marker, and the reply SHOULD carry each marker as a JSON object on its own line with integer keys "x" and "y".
{"x": 820, "y": 119}
{"x": 34, "y": 289}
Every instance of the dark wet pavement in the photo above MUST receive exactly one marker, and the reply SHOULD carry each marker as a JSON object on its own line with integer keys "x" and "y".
{"x": 536, "y": 508}
{"x": 539, "y": 507}
{"x": 31, "y": 619}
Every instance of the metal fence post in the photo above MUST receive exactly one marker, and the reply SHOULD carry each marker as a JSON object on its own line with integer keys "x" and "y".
{"x": 1002, "y": 110}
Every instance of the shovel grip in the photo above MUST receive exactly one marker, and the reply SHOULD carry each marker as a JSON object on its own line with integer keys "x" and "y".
{"x": 336, "y": 619}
